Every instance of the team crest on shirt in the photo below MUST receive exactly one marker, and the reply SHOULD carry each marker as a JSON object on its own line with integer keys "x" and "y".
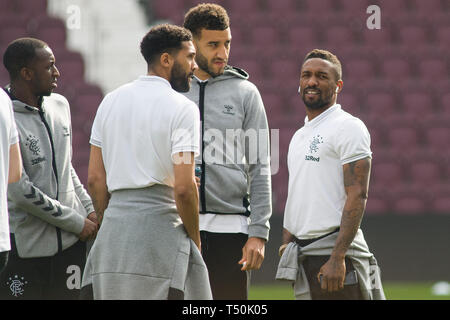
{"x": 16, "y": 285}
{"x": 33, "y": 144}
{"x": 315, "y": 142}
{"x": 314, "y": 148}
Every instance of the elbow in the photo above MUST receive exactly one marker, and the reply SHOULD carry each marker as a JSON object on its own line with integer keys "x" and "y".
{"x": 93, "y": 181}
{"x": 184, "y": 192}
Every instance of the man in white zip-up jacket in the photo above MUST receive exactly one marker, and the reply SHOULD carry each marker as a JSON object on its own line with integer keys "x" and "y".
{"x": 49, "y": 209}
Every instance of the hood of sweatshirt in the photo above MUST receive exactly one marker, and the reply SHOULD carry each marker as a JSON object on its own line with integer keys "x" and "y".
{"x": 230, "y": 72}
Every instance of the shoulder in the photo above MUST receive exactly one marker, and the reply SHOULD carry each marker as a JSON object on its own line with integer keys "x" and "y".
{"x": 56, "y": 102}
{"x": 345, "y": 121}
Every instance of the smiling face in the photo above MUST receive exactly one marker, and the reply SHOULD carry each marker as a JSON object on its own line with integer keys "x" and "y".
{"x": 44, "y": 72}
{"x": 213, "y": 49}
{"x": 319, "y": 84}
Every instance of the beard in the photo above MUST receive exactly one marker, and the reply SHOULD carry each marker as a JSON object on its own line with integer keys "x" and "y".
{"x": 322, "y": 101}
{"x": 203, "y": 64}
{"x": 179, "y": 79}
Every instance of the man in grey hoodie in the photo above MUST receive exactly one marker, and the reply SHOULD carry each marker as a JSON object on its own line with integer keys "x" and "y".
{"x": 49, "y": 209}
{"x": 234, "y": 168}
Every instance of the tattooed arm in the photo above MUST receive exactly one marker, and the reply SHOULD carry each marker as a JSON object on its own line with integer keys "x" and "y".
{"x": 356, "y": 183}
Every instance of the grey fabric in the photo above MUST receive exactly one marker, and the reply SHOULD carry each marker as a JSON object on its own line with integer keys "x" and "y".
{"x": 142, "y": 250}
{"x": 234, "y": 104}
{"x": 369, "y": 277}
{"x": 40, "y": 201}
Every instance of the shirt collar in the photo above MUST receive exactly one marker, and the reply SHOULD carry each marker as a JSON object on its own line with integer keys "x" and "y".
{"x": 154, "y": 78}
{"x": 322, "y": 115}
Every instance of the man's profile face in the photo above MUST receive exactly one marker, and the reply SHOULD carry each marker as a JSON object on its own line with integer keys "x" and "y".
{"x": 183, "y": 68}
{"x": 318, "y": 83}
{"x": 45, "y": 73}
{"x": 213, "y": 49}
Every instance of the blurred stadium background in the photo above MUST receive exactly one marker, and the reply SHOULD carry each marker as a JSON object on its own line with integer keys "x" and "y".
{"x": 396, "y": 80}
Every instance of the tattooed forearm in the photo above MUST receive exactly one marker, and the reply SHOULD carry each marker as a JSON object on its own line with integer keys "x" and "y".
{"x": 356, "y": 183}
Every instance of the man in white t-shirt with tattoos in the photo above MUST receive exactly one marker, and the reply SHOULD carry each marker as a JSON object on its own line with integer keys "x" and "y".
{"x": 329, "y": 163}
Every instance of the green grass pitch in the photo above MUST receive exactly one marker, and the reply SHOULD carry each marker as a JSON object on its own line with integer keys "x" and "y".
{"x": 393, "y": 291}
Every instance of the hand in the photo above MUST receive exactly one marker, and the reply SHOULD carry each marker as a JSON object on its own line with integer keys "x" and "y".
{"x": 93, "y": 217}
{"x": 333, "y": 274}
{"x": 197, "y": 181}
{"x": 252, "y": 254}
{"x": 89, "y": 231}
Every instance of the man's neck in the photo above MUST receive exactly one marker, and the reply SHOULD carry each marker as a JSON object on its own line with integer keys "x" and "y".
{"x": 23, "y": 94}
{"x": 201, "y": 74}
{"x": 312, "y": 113}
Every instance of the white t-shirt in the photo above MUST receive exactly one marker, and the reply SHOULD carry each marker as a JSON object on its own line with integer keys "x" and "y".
{"x": 8, "y": 136}
{"x": 317, "y": 152}
{"x": 139, "y": 127}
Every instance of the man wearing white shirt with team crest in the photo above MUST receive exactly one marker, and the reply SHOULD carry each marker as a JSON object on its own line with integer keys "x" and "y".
{"x": 329, "y": 163}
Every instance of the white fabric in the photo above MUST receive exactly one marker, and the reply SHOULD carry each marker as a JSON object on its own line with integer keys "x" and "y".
{"x": 317, "y": 152}
{"x": 222, "y": 223}
{"x": 162, "y": 122}
{"x": 9, "y": 136}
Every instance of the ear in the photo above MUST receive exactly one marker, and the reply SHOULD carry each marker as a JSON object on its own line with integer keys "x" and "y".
{"x": 166, "y": 60}
{"x": 339, "y": 86}
{"x": 26, "y": 73}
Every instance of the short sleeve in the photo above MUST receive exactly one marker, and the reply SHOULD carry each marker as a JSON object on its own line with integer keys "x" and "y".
{"x": 14, "y": 134}
{"x": 186, "y": 130}
{"x": 96, "y": 132}
{"x": 353, "y": 141}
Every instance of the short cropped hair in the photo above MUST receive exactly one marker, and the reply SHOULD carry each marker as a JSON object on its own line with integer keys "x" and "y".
{"x": 326, "y": 55}
{"x": 207, "y": 16}
{"x": 163, "y": 38}
{"x": 20, "y": 53}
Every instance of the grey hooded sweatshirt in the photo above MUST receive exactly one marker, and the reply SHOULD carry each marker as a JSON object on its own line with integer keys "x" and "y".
{"x": 48, "y": 205}
{"x": 235, "y": 176}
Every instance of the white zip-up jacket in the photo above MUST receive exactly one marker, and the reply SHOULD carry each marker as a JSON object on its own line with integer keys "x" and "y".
{"x": 48, "y": 205}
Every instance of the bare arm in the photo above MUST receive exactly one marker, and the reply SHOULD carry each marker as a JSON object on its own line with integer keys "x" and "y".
{"x": 186, "y": 196}
{"x": 15, "y": 163}
{"x": 356, "y": 183}
{"x": 97, "y": 188}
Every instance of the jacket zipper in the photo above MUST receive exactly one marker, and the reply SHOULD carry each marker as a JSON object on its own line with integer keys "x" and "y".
{"x": 55, "y": 171}
{"x": 201, "y": 105}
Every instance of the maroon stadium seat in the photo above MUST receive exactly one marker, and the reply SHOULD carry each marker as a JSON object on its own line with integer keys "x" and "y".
{"x": 381, "y": 104}
{"x": 171, "y": 10}
{"x": 441, "y": 204}
{"x": 359, "y": 70}
{"x": 281, "y": 6}
{"x": 355, "y": 7}
{"x": 437, "y": 138}
{"x": 70, "y": 65}
{"x": 302, "y": 36}
{"x": 433, "y": 69}
{"x": 442, "y": 35}
{"x": 412, "y": 34}
{"x": 339, "y": 36}
{"x": 246, "y": 6}
{"x": 349, "y": 102}
{"x": 428, "y": 7}
{"x": 319, "y": 7}
{"x": 376, "y": 38}
{"x": 32, "y": 8}
{"x": 403, "y": 138}
{"x": 377, "y": 205}
{"x": 425, "y": 173}
{"x": 387, "y": 174}
{"x": 50, "y": 30}
{"x": 410, "y": 205}
{"x": 417, "y": 103}
{"x": 396, "y": 69}
{"x": 262, "y": 36}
